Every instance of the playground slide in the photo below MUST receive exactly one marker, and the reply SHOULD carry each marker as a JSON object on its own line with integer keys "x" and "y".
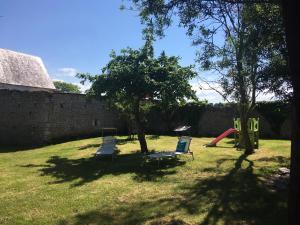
{"x": 221, "y": 136}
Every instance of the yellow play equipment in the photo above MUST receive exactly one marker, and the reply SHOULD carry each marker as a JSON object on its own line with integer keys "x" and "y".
{"x": 253, "y": 129}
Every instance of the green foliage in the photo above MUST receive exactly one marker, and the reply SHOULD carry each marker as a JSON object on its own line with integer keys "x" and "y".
{"x": 66, "y": 87}
{"x": 136, "y": 76}
{"x": 268, "y": 40}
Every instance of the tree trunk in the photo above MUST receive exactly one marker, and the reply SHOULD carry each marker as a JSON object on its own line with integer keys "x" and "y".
{"x": 243, "y": 109}
{"x": 140, "y": 128}
{"x": 130, "y": 129}
{"x": 291, "y": 17}
{"x": 142, "y": 139}
{"x": 246, "y": 143}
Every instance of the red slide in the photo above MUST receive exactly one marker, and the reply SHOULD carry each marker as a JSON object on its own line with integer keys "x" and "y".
{"x": 220, "y": 137}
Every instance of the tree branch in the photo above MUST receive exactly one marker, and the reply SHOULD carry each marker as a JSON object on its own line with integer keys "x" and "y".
{"x": 213, "y": 88}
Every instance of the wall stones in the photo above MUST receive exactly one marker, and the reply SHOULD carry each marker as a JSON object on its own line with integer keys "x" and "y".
{"x": 35, "y": 118}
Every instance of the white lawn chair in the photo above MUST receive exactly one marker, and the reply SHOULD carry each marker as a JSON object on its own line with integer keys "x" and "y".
{"x": 108, "y": 147}
{"x": 183, "y": 147}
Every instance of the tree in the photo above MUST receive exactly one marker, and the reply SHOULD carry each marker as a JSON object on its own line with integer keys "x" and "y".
{"x": 253, "y": 59}
{"x": 245, "y": 55}
{"x": 233, "y": 60}
{"x": 66, "y": 87}
{"x": 291, "y": 18}
{"x": 135, "y": 80}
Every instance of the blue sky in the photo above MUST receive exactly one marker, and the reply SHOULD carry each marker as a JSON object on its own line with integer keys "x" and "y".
{"x": 77, "y": 36}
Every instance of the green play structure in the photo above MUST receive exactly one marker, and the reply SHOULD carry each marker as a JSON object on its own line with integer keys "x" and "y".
{"x": 253, "y": 128}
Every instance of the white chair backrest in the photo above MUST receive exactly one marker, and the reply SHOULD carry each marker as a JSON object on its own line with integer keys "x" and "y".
{"x": 108, "y": 139}
{"x": 188, "y": 140}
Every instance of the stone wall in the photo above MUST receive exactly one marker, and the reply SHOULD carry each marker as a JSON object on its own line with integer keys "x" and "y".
{"x": 33, "y": 118}
{"x": 36, "y": 118}
{"x": 215, "y": 120}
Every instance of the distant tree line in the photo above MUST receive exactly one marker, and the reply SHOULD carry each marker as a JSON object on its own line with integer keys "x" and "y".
{"x": 67, "y": 87}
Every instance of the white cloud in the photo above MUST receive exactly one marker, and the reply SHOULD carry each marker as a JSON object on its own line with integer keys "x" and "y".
{"x": 66, "y": 72}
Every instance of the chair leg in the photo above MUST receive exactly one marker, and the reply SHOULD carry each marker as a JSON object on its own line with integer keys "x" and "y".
{"x": 192, "y": 155}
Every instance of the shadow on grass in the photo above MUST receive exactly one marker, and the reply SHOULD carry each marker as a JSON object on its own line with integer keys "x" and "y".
{"x": 123, "y": 141}
{"x": 89, "y": 146}
{"x": 9, "y": 149}
{"x": 90, "y": 169}
{"x": 238, "y": 197}
{"x": 152, "y": 212}
{"x": 277, "y": 159}
{"x": 232, "y": 141}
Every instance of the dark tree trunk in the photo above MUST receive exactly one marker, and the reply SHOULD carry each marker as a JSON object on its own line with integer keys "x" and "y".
{"x": 140, "y": 128}
{"x": 142, "y": 140}
{"x": 291, "y": 15}
{"x": 243, "y": 108}
{"x": 246, "y": 143}
{"x": 130, "y": 129}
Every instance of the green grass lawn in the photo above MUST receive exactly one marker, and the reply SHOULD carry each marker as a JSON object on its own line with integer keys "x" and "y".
{"x": 65, "y": 184}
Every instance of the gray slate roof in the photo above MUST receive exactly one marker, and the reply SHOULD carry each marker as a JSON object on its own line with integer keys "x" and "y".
{"x": 22, "y": 69}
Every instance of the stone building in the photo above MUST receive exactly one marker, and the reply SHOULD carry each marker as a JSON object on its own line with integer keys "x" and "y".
{"x": 19, "y": 71}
